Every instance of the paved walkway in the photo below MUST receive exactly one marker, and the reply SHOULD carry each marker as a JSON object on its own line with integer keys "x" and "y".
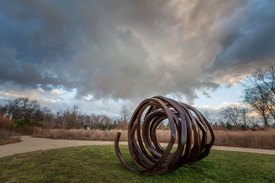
{"x": 30, "y": 144}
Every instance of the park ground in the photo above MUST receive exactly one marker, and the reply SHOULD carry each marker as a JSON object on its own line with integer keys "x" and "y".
{"x": 98, "y": 163}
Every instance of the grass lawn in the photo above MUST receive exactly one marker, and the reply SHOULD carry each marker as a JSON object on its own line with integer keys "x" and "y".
{"x": 100, "y": 164}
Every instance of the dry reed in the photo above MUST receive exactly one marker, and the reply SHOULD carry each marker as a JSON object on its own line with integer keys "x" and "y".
{"x": 79, "y": 134}
{"x": 253, "y": 139}
{"x": 7, "y": 137}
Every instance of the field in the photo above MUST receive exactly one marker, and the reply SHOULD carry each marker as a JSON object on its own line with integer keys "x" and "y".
{"x": 100, "y": 164}
{"x": 252, "y": 139}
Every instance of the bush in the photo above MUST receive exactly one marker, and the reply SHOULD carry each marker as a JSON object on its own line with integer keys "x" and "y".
{"x": 22, "y": 126}
{"x": 21, "y": 122}
{"x": 4, "y": 121}
{"x": 11, "y": 126}
{"x": 25, "y": 123}
{"x": 229, "y": 126}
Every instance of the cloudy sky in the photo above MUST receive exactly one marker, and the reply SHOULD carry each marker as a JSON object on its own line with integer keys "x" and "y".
{"x": 103, "y": 54}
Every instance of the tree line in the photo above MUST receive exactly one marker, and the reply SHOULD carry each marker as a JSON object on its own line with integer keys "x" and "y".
{"x": 26, "y": 112}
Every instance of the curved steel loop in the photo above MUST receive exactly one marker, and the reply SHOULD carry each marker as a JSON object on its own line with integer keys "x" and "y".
{"x": 191, "y": 134}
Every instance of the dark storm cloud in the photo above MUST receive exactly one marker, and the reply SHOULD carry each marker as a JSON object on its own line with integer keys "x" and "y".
{"x": 128, "y": 49}
{"x": 250, "y": 41}
{"x": 36, "y": 30}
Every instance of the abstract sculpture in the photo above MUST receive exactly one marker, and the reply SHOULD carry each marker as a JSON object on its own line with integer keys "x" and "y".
{"x": 190, "y": 132}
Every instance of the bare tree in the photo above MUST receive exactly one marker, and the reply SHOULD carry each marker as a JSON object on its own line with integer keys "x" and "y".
{"x": 23, "y": 108}
{"x": 257, "y": 98}
{"x": 244, "y": 115}
{"x": 105, "y": 122}
{"x": 266, "y": 78}
{"x": 85, "y": 121}
{"x": 70, "y": 118}
{"x": 94, "y": 120}
{"x": 233, "y": 114}
{"x": 259, "y": 93}
{"x": 125, "y": 113}
{"x": 2, "y": 110}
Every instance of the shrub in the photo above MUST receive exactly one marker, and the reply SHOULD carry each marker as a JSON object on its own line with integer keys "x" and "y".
{"x": 22, "y": 126}
{"x": 10, "y": 126}
{"x": 4, "y": 121}
{"x": 25, "y": 123}
{"x": 21, "y": 122}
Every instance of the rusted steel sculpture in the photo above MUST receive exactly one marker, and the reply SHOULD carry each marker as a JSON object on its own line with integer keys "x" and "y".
{"x": 190, "y": 132}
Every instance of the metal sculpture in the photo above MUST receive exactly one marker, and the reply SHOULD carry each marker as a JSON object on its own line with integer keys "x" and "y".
{"x": 190, "y": 132}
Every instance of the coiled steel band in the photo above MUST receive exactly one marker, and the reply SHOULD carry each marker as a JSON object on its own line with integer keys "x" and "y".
{"x": 190, "y": 133}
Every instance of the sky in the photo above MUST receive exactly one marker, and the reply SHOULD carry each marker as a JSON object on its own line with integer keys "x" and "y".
{"x": 103, "y": 54}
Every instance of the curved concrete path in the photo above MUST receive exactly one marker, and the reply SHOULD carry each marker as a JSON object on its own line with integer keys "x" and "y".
{"x": 30, "y": 144}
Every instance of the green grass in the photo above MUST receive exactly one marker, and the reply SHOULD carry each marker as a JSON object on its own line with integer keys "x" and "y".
{"x": 100, "y": 164}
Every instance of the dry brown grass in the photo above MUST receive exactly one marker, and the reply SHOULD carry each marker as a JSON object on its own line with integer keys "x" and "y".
{"x": 82, "y": 134}
{"x": 7, "y": 137}
{"x": 253, "y": 139}
{"x": 79, "y": 134}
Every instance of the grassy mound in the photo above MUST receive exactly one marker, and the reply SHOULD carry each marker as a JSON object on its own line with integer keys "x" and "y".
{"x": 100, "y": 164}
